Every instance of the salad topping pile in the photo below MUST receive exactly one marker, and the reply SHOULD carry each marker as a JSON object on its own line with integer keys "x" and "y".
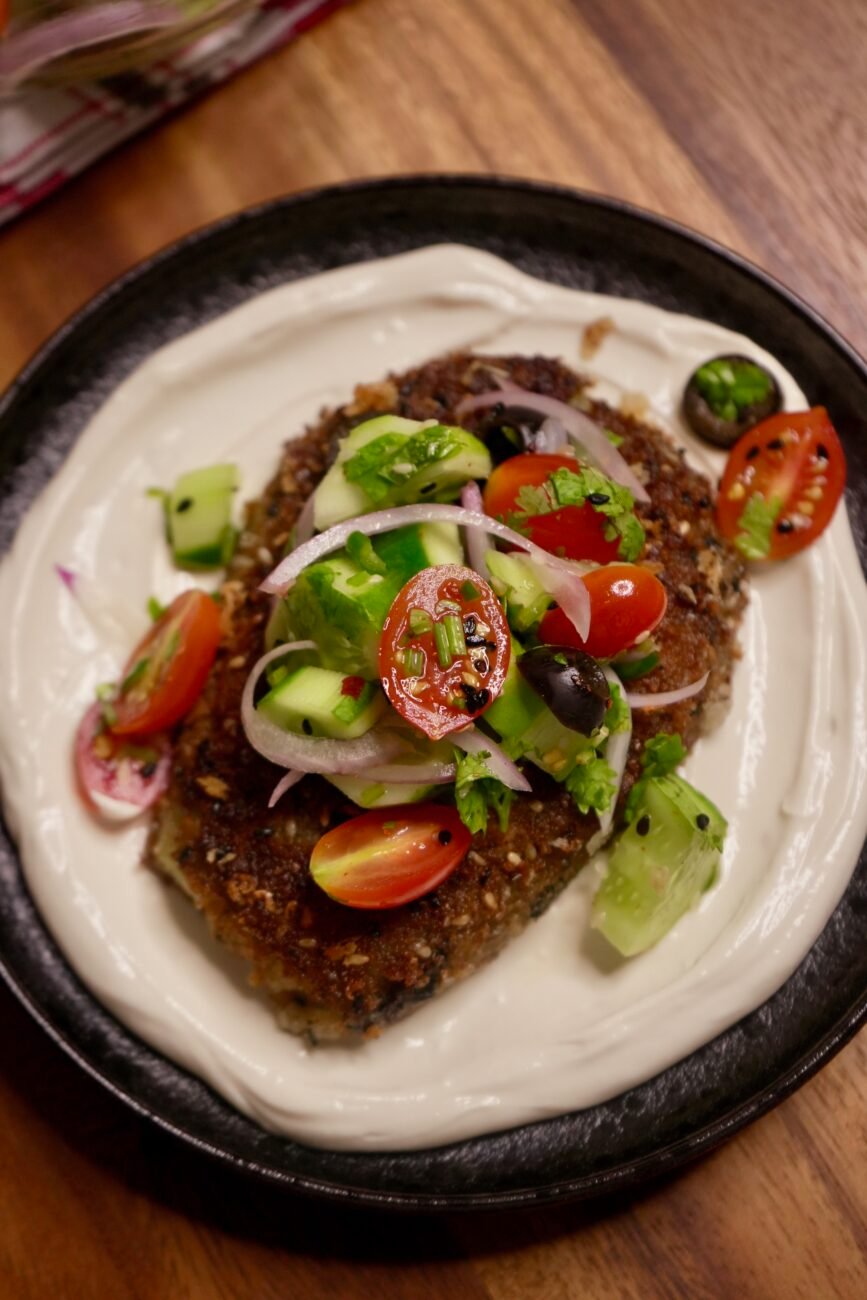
{"x": 457, "y": 618}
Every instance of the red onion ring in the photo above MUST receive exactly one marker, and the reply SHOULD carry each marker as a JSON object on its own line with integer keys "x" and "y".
{"x": 286, "y": 782}
{"x": 578, "y": 426}
{"x": 616, "y": 755}
{"x": 473, "y": 741}
{"x": 24, "y": 51}
{"x": 304, "y": 523}
{"x": 661, "y": 699}
{"x": 565, "y": 585}
{"x": 476, "y": 538}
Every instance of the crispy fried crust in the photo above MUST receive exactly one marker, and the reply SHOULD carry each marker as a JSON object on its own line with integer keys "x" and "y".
{"x": 333, "y": 971}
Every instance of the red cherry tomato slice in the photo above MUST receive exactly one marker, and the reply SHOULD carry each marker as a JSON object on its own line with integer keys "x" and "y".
{"x": 444, "y": 649}
{"x": 795, "y": 462}
{"x": 167, "y": 670}
{"x": 119, "y": 778}
{"x": 391, "y": 856}
{"x": 574, "y": 532}
{"x": 625, "y": 601}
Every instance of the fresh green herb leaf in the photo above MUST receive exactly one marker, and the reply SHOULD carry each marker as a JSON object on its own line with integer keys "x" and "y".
{"x": 591, "y": 785}
{"x": 478, "y": 793}
{"x": 730, "y": 387}
{"x": 614, "y": 438}
{"x": 631, "y": 669}
{"x": 566, "y": 487}
{"x": 618, "y": 716}
{"x": 661, "y": 755}
{"x": 349, "y": 707}
{"x": 392, "y": 459}
{"x": 756, "y": 524}
{"x": 155, "y": 608}
{"x": 361, "y": 552}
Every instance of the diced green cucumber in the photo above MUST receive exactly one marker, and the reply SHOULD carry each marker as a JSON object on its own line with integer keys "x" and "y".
{"x": 516, "y": 582}
{"x": 342, "y": 608}
{"x": 412, "y": 461}
{"x": 661, "y": 864}
{"x": 336, "y": 498}
{"x": 312, "y": 702}
{"x": 517, "y": 706}
{"x": 369, "y": 794}
{"x": 199, "y": 517}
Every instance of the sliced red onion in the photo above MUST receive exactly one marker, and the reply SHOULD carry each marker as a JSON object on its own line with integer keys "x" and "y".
{"x": 308, "y": 753}
{"x": 477, "y": 540}
{"x": 560, "y": 577}
{"x": 369, "y": 755}
{"x": 473, "y": 741}
{"x": 616, "y": 755}
{"x": 578, "y": 426}
{"x": 661, "y": 699}
{"x": 115, "y": 623}
{"x": 550, "y": 437}
{"x": 285, "y": 783}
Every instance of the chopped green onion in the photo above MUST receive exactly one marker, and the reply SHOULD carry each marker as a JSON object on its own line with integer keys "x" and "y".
{"x": 420, "y": 622}
{"x": 135, "y": 675}
{"x": 441, "y": 637}
{"x": 361, "y": 552}
{"x": 155, "y": 608}
{"x": 455, "y": 634}
{"x": 470, "y": 591}
{"x": 414, "y": 661}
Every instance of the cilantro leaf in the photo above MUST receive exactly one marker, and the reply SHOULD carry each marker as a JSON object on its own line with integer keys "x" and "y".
{"x": 755, "y": 524}
{"x": 660, "y": 756}
{"x": 584, "y": 486}
{"x": 477, "y": 792}
{"x": 393, "y": 458}
{"x": 591, "y": 785}
{"x": 361, "y": 552}
{"x": 618, "y": 716}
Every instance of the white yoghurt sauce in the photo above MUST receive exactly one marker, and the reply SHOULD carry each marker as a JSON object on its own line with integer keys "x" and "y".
{"x": 558, "y": 1021}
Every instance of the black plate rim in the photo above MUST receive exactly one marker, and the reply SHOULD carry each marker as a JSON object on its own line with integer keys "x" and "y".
{"x": 617, "y": 1178}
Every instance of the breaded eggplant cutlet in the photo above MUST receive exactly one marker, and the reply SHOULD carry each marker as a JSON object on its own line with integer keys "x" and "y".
{"x": 333, "y": 971}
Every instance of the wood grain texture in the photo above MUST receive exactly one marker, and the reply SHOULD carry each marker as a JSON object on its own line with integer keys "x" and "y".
{"x": 747, "y": 121}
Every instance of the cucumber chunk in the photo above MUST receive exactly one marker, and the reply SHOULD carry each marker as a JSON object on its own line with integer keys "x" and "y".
{"x": 336, "y": 498}
{"x": 661, "y": 864}
{"x": 312, "y": 701}
{"x": 518, "y": 585}
{"x": 199, "y": 517}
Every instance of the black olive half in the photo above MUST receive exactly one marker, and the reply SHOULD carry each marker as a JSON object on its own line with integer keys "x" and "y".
{"x": 508, "y": 430}
{"x": 728, "y": 395}
{"x": 570, "y": 682}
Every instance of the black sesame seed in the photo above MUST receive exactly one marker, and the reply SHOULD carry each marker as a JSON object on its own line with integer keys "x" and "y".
{"x": 642, "y": 826}
{"x": 183, "y": 504}
{"x": 444, "y": 837}
{"x": 476, "y": 698}
{"x": 598, "y": 498}
{"x": 306, "y": 727}
{"x": 704, "y": 503}
{"x": 469, "y": 624}
{"x": 776, "y": 444}
{"x": 426, "y": 488}
{"x": 481, "y": 665}
{"x": 148, "y": 769}
{"x": 785, "y": 526}
{"x": 752, "y": 453}
{"x": 263, "y": 832}
{"x": 702, "y": 821}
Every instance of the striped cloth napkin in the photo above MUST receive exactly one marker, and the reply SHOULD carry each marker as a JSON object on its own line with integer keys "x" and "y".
{"x": 48, "y": 135}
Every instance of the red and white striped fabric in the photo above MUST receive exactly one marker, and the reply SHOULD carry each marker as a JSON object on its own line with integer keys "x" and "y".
{"x": 49, "y": 135}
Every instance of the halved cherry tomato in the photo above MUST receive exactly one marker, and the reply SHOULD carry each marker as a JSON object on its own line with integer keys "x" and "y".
{"x": 119, "y": 778}
{"x": 625, "y": 601}
{"x": 166, "y": 672}
{"x": 574, "y": 532}
{"x": 391, "y": 856}
{"x": 796, "y": 464}
{"x": 444, "y": 649}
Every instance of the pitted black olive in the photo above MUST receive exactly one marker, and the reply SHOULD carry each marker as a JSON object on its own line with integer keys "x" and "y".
{"x": 570, "y": 682}
{"x": 727, "y": 396}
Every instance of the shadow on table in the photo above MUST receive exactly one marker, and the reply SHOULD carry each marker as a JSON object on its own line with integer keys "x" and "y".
{"x": 120, "y": 1145}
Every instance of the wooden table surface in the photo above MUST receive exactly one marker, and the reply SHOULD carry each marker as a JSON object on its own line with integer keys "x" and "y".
{"x": 745, "y": 120}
